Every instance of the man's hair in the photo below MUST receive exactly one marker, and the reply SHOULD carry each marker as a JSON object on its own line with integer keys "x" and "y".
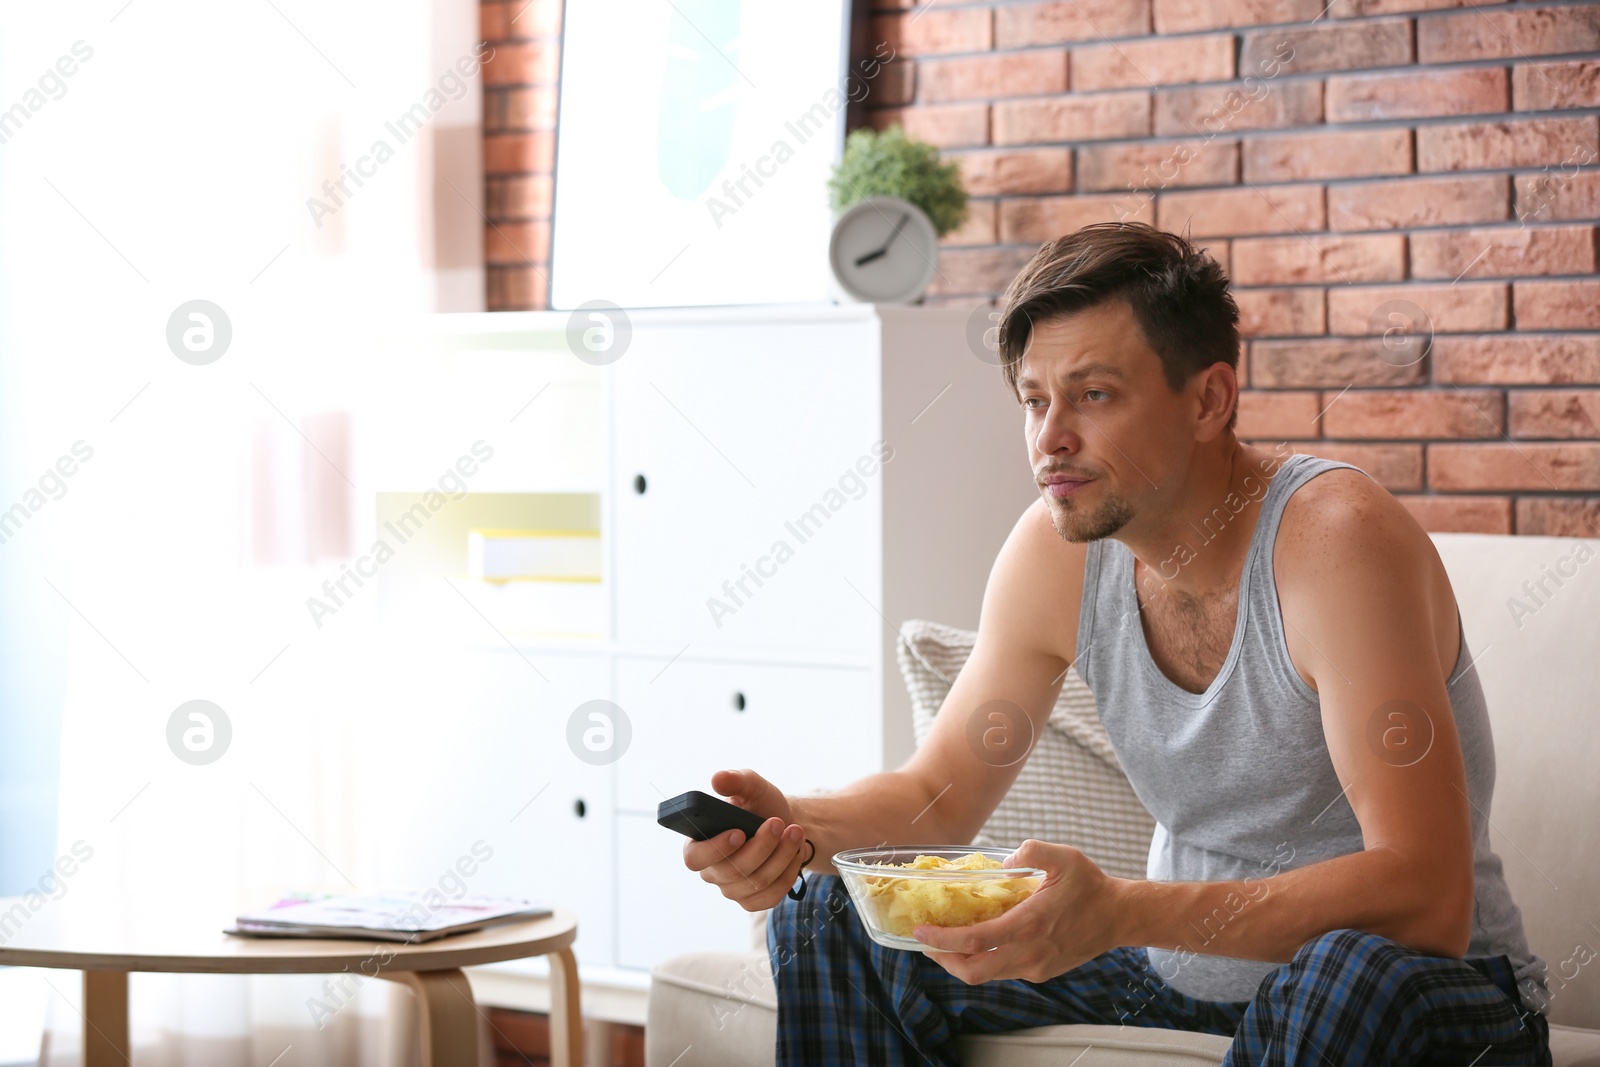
{"x": 1179, "y": 296}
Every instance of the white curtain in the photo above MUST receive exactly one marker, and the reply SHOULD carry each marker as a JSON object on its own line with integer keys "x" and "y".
{"x": 176, "y": 162}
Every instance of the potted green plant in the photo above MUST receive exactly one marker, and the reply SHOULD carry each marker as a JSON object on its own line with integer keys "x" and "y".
{"x": 889, "y": 163}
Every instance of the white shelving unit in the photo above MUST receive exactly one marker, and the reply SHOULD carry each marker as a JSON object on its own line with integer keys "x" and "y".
{"x": 732, "y": 456}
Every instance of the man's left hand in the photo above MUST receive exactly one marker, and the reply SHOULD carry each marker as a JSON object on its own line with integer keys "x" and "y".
{"x": 1070, "y": 919}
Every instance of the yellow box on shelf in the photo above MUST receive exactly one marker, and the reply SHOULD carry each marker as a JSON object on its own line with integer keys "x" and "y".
{"x": 506, "y": 555}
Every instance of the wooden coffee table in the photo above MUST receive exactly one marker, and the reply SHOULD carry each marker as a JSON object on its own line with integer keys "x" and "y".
{"x": 106, "y": 947}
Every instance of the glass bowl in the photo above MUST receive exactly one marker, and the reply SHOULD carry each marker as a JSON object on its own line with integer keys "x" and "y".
{"x": 894, "y": 901}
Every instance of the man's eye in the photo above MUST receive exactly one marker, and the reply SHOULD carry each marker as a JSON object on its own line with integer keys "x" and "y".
{"x": 1028, "y": 401}
{"x": 1100, "y": 392}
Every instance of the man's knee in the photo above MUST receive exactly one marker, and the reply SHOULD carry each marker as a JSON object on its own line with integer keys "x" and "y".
{"x": 1344, "y": 944}
{"x": 1381, "y": 961}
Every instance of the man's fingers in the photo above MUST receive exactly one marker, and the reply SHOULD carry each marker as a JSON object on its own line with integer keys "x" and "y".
{"x": 777, "y": 865}
{"x": 979, "y": 937}
{"x": 698, "y": 855}
{"x": 747, "y": 858}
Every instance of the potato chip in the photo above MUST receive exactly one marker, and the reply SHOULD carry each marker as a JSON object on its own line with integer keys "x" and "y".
{"x": 900, "y": 905}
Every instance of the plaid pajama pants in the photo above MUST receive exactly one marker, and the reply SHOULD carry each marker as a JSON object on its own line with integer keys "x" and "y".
{"x": 1347, "y": 997}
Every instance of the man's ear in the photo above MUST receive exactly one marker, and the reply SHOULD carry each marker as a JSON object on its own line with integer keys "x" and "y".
{"x": 1216, "y": 391}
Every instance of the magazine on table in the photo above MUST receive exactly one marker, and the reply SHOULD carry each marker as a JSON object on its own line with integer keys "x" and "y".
{"x": 409, "y": 916}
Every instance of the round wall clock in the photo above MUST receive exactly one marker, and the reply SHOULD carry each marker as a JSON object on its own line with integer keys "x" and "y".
{"x": 884, "y": 250}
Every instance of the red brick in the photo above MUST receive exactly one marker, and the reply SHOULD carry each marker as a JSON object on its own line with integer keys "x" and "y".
{"x": 1391, "y": 205}
{"x": 531, "y": 109}
{"x": 1460, "y": 514}
{"x": 1345, "y": 9}
{"x": 988, "y": 77}
{"x": 1224, "y": 212}
{"x": 1555, "y": 413}
{"x": 1280, "y": 312}
{"x": 1048, "y": 217}
{"x": 1021, "y": 25}
{"x": 533, "y": 63}
{"x": 1549, "y": 86}
{"x": 1559, "y": 192}
{"x": 1492, "y": 145}
{"x": 494, "y": 108}
{"x": 935, "y": 31}
{"x": 1285, "y": 260}
{"x": 1397, "y": 468}
{"x": 1278, "y": 415}
{"x": 1333, "y": 363}
{"x": 1384, "y": 43}
{"x": 516, "y": 243}
{"x": 1136, "y": 64}
{"x": 1151, "y": 166}
{"x": 1410, "y": 414}
{"x": 494, "y": 21}
{"x": 943, "y": 126}
{"x": 517, "y": 289}
{"x": 1368, "y": 97}
{"x": 519, "y": 153}
{"x": 1327, "y": 154}
{"x": 1528, "y": 465}
{"x": 1014, "y": 171}
{"x": 523, "y": 197}
{"x": 1529, "y": 359}
{"x": 977, "y": 270}
{"x": 979, "y": 229}
{"x": 1557, "y": 305}
{"x": 1213, "y": 109}
{"x": 1072, "y": 118}
{"x": 1185, "y": 16}
{"x": 1467, "y": 307}
{"x": 891, "y": 84}
{"x": 1501, "y": 252}
{"x": 1521, "y": 31}
{"x": 1559, "y": 517}
{"x": 519, "y": 20}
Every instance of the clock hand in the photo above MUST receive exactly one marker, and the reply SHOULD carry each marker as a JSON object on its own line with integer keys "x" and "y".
{"x": 870, "y": 256}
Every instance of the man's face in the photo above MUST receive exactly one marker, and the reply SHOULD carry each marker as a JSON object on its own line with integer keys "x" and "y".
{"x": 1101, "y": 422}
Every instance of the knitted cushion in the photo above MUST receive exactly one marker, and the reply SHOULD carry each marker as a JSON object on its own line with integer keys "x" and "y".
{"x": 1070, "y": 789}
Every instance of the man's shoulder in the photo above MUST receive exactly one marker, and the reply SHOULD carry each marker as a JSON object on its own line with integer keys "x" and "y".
{"x": 1341, "y": 524}
{"x": 1344, "y": 514}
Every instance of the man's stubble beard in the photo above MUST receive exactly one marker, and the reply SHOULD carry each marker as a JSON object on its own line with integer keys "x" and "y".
{"x": 1074, "y": 525}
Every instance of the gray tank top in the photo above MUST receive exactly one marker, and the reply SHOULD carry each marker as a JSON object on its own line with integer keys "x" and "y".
{"x": 1238, "y": 778}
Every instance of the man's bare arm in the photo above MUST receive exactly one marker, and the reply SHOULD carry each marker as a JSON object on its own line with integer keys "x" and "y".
{"x": 984, "y": 729}
{"x": 946, "y": 791}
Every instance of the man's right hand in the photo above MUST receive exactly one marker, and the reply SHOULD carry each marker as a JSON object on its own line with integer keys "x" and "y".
{"x": 756, "y": 873}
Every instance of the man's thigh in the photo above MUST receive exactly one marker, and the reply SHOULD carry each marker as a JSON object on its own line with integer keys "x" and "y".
{"x": 827, "y": 953}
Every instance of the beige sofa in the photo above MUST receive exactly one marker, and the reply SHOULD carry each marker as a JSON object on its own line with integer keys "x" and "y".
{"x": 1531, "y": 611}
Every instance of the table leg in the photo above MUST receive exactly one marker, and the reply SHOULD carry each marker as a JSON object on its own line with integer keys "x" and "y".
{"x": 105, "y": 1019}
{"x": 566, "y": 1012}
{"x": 449, "y": 1016}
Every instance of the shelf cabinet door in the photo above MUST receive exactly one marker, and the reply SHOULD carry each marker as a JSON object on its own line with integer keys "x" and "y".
{"x": 664, "y": 908}
{"x": 469, "y": 755}
{"x": 805, "y": 729}
{"x": 747, "y": 485}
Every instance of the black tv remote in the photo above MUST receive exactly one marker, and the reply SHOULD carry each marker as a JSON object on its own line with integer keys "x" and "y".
{"x": 702, "y": 816}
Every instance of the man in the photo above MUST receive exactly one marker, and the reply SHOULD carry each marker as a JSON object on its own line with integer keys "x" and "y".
{"x": 1276, "y": 654}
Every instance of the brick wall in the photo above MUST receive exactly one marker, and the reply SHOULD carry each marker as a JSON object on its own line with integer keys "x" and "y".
{"x": 519, "y": 124}
{"x": 1346, "y": 167}
{"x": 1382, "y": 163}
